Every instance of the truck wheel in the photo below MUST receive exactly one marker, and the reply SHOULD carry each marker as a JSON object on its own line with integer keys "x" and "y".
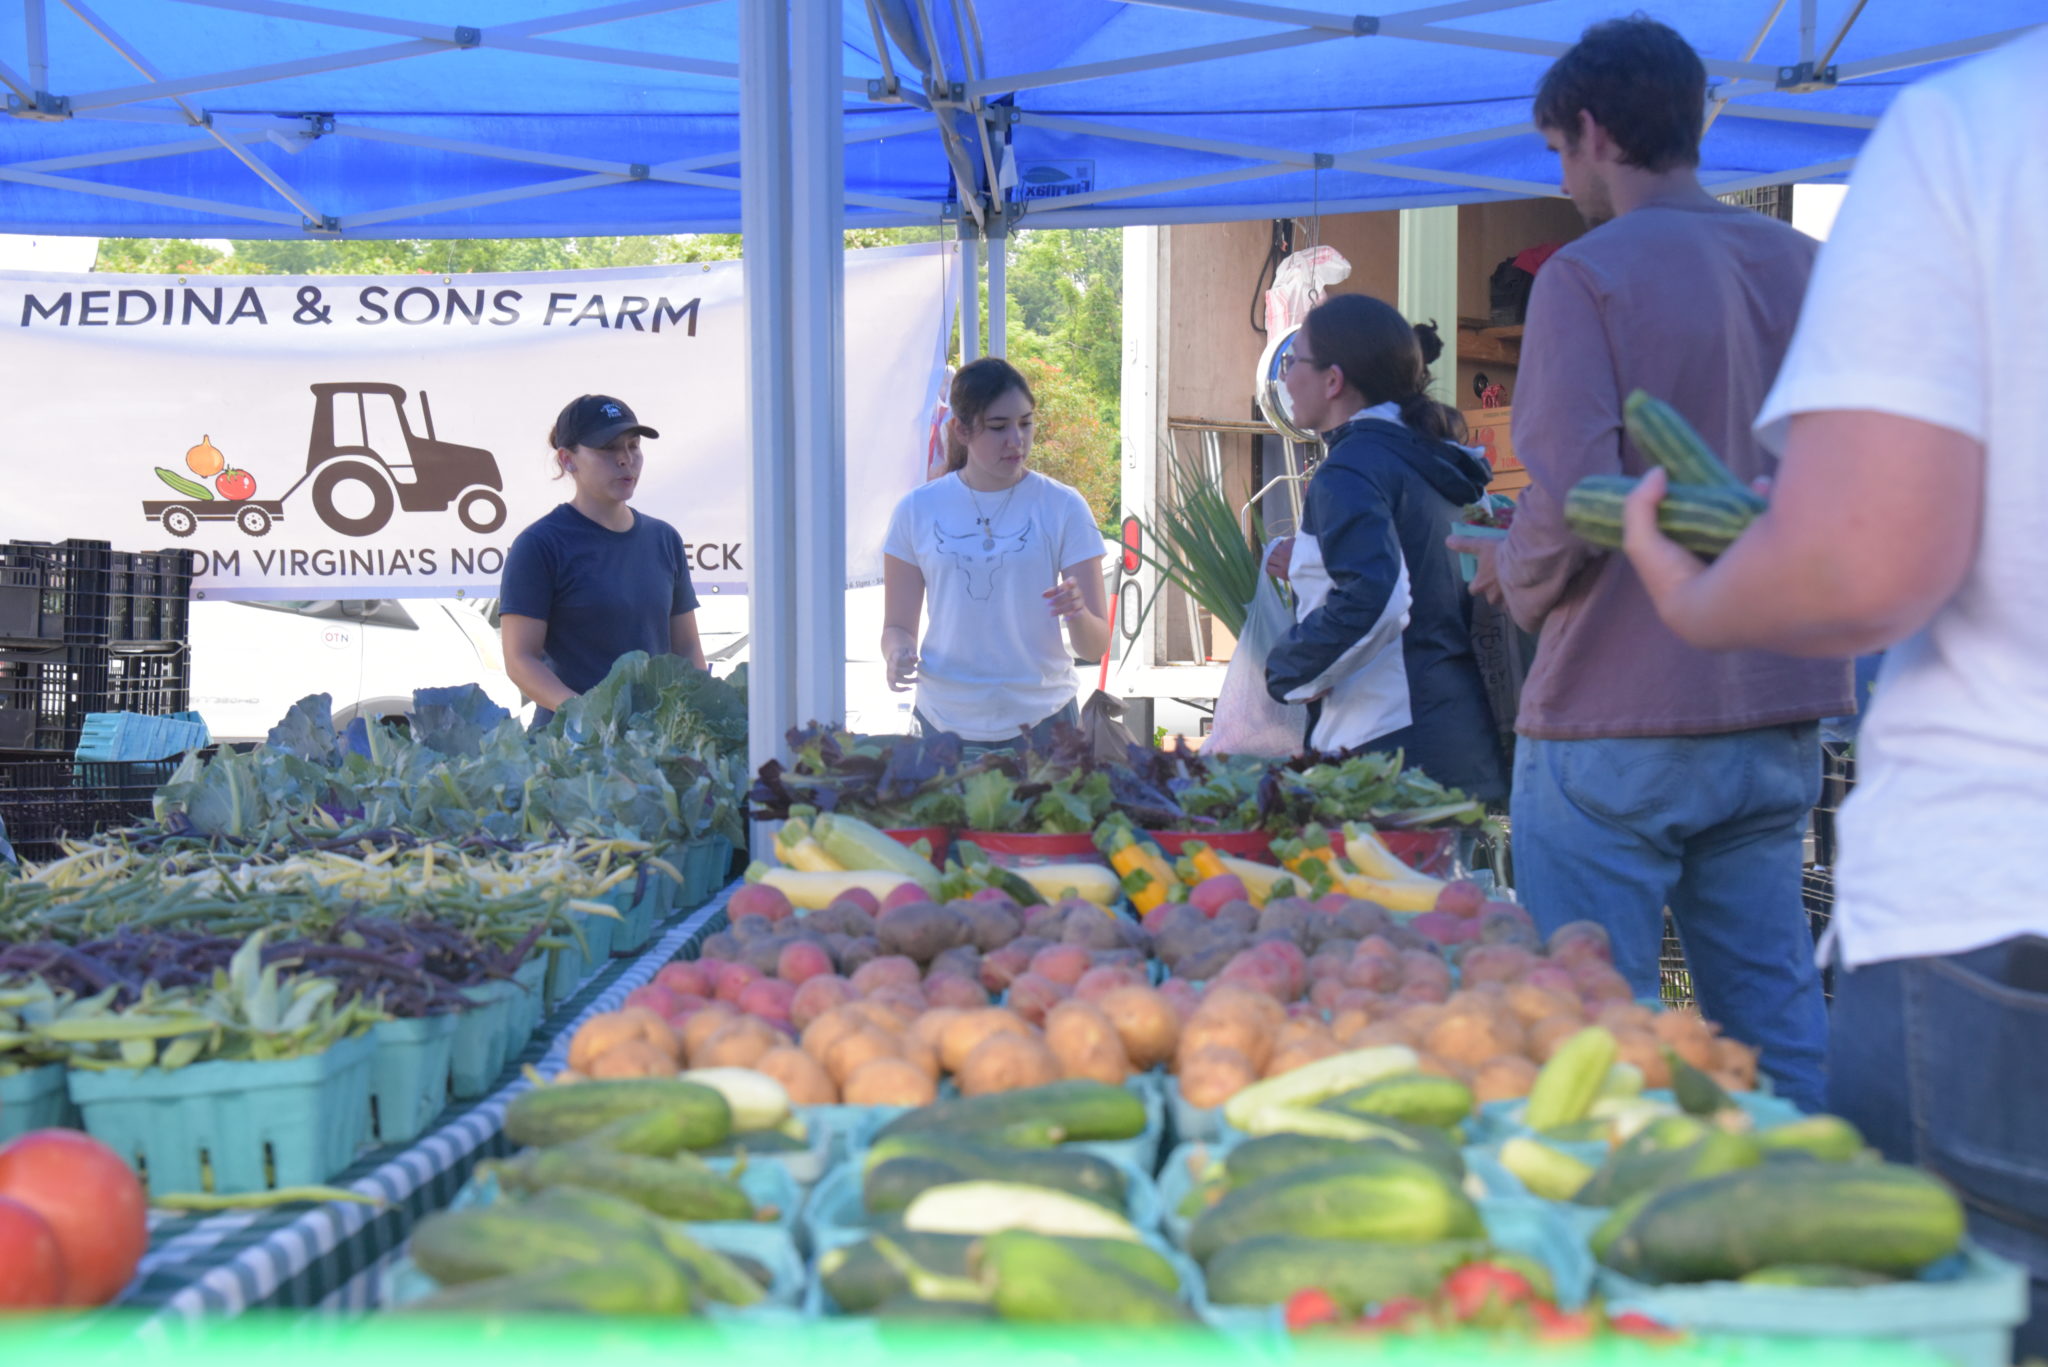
{"x": 337, "y": 479}
{"x": 253, "y": 520}
{"x": 180, "y": 522}
{"x": 480, "y": 510}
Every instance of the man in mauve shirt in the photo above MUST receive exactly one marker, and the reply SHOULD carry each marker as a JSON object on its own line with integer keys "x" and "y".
{"x": 1649, "y": 774}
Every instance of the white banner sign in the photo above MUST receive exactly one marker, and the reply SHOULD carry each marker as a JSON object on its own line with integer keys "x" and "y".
{"x": 380, "y": 437}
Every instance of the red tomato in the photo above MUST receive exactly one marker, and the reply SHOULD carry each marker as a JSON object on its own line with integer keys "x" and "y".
{"x": 93, "y": 1204}
{"x": 236, "y": 485}
{"x": 1477, "y": 1287}
{"x": 1638, "y": 1325}
{"x": 1307, "y": 1309}
{"x": 1562, "y": 1326}
{"x": 31, "y": 1265}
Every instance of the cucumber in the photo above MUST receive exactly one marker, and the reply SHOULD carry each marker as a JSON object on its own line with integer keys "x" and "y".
{"x": 722, "y": 1279}
{"x": 189, "y": 489}
{"x": 1705, "y": 521}
{"x": 1355, "y": 1273}
{"x": 456, "y": 1247}
{"x": 1072, "y": 1110}
{"x": 753, "y": 1142}
{"x": 1052, "y": 1281}
{"x": 1881, "y": 1218}
{"x": 893, "y": 1184}
{"x": 1568, "y": 1085}
{"x": 660, "y": 1133}
{"x": 676, "y": 1190}
{"x": 1665, "y": 437}
{"x": 1652, "y": 1169}
{"x": 551, "y": 1115}
{"x": 908, "y": 1307}
{"x": 639, "y": 1288}
{"x": 1319, "y": 1081}
{"x": 1815, "y": 1274}
{"x": 859, "y": 1278}
{"x": 1695, "y": 1092}
{"x": 1389, "y": 1198}
{"x": 1549, "y": 1173}
{"x": 1418, "y": 1098}
{"x": 1272, "y": 1154}
{"x": 1826, "y": 1137}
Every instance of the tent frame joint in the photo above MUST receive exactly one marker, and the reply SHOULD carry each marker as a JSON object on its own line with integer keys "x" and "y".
{"x": 1804, "y": 79}
{"x": 466, "y": 36}
{"x": 45, "y": 108}
{"x": 327, "y": 225}
{"x": 1365, "y": 25}
{"x": 886, "y": 90}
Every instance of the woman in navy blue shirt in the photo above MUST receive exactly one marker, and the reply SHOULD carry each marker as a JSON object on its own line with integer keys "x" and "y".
{"x": 594, "y": 580}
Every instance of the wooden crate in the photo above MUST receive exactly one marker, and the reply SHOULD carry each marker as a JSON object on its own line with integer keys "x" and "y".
{"x": 1488, "y": 428}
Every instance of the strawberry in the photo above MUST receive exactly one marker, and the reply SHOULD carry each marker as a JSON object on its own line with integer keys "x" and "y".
{"x": 1396, "y": 1313}
{"x": 1561, "y": 1326}
{"x": 1310, "y": 1309}
{"x": 1635, "y": 1324}
{"x": 1477, "y": 1288}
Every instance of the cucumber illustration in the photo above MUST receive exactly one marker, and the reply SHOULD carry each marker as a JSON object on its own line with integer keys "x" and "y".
{"x": 183, "y": 485}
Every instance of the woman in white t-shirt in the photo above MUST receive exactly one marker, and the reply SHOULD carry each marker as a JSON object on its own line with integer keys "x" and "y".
{"x": 1001, "y": 556}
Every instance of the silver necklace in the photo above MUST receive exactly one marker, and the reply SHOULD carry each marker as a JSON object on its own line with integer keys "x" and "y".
{"x": 988, "y": 531}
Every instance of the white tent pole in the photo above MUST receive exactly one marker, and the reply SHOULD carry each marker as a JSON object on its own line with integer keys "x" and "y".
{"x": 818, "y": 355}
{"x": 1776, "y": 114}
{"x": 566, "y": 185}
{"x": 205, "y": 206}
{"x": 1715, "y": 104}
{"x": 970, "y": 293}
{"x": 1785, "y": 177}
{"x": 18, "y": 83}
{"x": 1922, "y": 56}
{"x": 256, "y": 75}
{"x": 1151, "y": 61}
{"x": 1250, "y": 151}
{"x": 998, "y": 284}
{"x": 773, "y": 642}
{"x": 1427, "y": 285}
{"x": 377, "y": 23}
{"x": 36, "y": 22}
{"x": 1147, "y": 328}
{"x": 1808, "y": 17}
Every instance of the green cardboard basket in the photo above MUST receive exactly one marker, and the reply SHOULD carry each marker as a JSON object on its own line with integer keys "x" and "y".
{"x": 35, "y": 1099}
{"x": 409, "y": 1080}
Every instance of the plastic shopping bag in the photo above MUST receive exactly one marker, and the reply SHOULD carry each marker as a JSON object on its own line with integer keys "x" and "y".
{"x": 1248, "y": 721}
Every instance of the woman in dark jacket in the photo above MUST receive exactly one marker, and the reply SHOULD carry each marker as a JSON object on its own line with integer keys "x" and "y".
{"x": 1373, "y": 528}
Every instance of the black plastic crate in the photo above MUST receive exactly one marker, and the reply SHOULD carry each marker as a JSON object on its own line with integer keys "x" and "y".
{"x": 149, "y": 597}
{"x": 45, "y": 694}
{"x": 155, "y": 683}
{"x": 55, "y": 592}
{"x": 45, "y": 797}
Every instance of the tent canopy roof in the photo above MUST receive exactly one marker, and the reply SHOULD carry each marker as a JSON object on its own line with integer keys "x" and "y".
{"x": 397, "y": 118}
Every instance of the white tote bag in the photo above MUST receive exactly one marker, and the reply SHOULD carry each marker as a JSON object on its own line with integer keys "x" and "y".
{"x": 1248, "y": 721}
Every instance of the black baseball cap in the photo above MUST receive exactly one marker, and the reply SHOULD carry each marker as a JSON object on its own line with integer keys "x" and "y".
{"x": 597, "y": 420}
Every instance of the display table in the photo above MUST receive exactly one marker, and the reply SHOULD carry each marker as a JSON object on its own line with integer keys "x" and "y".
{"x": 329, "y": 1256}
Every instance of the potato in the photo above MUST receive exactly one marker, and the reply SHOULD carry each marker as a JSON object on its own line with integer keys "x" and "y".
{"x": 821, "y": 1034}
{"x": 1269, "y": 1013}
{"x": 1062, "y": 963}
{"x": 1005, "y": 1062}
{"x": 961, "y": 1037}
{"x": 903, "y": 1004}
{"x": 633, "y": 1058}
{"x": 739, "y": 1045}
{"x": 802, "y": 1076}
{"x": 1640, "y": 1048}
{"x": 962, "y": 961}
{"x": 704, "y": 1025}
{"x": 816, "y": 997}
{"x": 1472, "y": 1039}
{"x": 1349, "y": 1021}
{"x": 1423, "y": 1017}
{"x": 925, "y": 1057}
{"x": 1546, "y": 1035}
{"x": 1302, "y": 1052}
{"x": 1299, "y": 1028}
{"x": 1390, "y": 1031}
{"x": 930, "y": 1028}
{"x": 1503, "y": 1079}
{"x": 1086, "y": 1044}
{"x": 1734, "y": 1065}
{"x": 1533, "y": 1003}
{"x": 921, "y": 931}
{"x": 861, "y": 1046}
{"x": 948, "y": 989}
{"x": 889, "y": 970}
{"x": 1212, "y": 1075}
{"x": 1691, "y": 1038}
{"x": 1627, "y": 1016}
{"x": 1426, "y": 1062}
{"x": 602, "y": 1033}
{"x": 1145, "y": 1022}
{"x": 1225, "y": 1029}
{"x": 889, "y": 1082}
{"x": 990, "y": 925}
{"x": 1034, "y": 995}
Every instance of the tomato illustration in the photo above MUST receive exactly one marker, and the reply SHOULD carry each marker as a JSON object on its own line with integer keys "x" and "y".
{"x": 236, "y": 485}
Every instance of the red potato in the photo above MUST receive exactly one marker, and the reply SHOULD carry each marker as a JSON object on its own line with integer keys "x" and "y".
{"x": 656, "y": 998}
{"x": 1358, "y": 999}
{"x": 685, "y": 979}
{"x": 1324, "y": 993}
{"x": 1512, "y": 910}
{"x": 1496, "y": 963}
{"x": 1001, "y": 967}
{"x": 1211, "y": 895}
{"x": 1182, "y": 996}
{"x": 1579, "y": 940}
{"x": 1377, "y": 946}
{"x": 1063, "y": 964}
{"x": 953, "y": 990}
{"x": 859, "y": 897}
{"x": 1551, "y": 978}
{"x": 768, "y": 999}
{"x": 734, "y": 979}
{"x": 711, "y": 965}
{"x": 1445, "y": 928}
{"x": 758, "y": 899}
{"x": 1104, "y": 979}
{"x": 1462, "y": 897}
{"x": 1328, "y": 963}
{"x": 992, "y": 895}
{"x": 1333, "y": 902}
{"x": 818, "y": 996}
{"x": 904, "y": 895}
{"x": 1034, "y": 995}
{"x": 1372, "y": 973}
{"x": 801, "y": 961}
{"x": 1423, "y": 990}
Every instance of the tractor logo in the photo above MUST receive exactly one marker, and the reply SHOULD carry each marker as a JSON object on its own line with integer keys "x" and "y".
{"x": 364, "y": 460}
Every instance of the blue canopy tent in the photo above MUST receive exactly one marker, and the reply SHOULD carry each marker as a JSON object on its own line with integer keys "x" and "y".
{"x": 409, "y": 118}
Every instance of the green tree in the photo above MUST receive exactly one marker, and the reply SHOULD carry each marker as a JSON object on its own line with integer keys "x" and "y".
{"x": 1066, "y": 334}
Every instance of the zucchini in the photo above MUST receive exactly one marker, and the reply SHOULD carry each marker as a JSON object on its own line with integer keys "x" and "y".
{"x": 1385, "y": 1197}
{"x": 1353, "y": 1272}
{"x": 991, "y": 1207}
{"x": 1418, "y": 1098}
{"x": 1881, "y": 1218}
{"x": 1667, "y": 439}
{"x": 1704, "y": 520}
{"x": 1319, "y": 1081}
{"x": 1031, "y": 1117}
{"x": 891, "y": 1185}
{"x": 1568, "y": 1085}
{"x": 1041, "y": 1280}
{"x": 675, "y": 1190}
{"x": 558, "y": 1115}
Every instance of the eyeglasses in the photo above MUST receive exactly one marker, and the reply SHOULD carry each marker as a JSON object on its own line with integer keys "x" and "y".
{"x": 1294, "y": 358}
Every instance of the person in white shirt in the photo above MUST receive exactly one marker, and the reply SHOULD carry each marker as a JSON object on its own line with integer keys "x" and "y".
{"x": 1911, "y": 512}
{"x": 1002, "y": 557}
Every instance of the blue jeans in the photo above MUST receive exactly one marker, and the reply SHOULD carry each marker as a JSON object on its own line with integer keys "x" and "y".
{"x": 1712, "y": 827}
{"x": 1941, "y": 1062}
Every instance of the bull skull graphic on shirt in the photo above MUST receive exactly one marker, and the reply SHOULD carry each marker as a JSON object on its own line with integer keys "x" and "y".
{"x": 978, "y": 562}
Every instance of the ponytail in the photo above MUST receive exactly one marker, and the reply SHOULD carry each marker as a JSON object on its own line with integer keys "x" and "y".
{"x": 1432, "y": 419}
